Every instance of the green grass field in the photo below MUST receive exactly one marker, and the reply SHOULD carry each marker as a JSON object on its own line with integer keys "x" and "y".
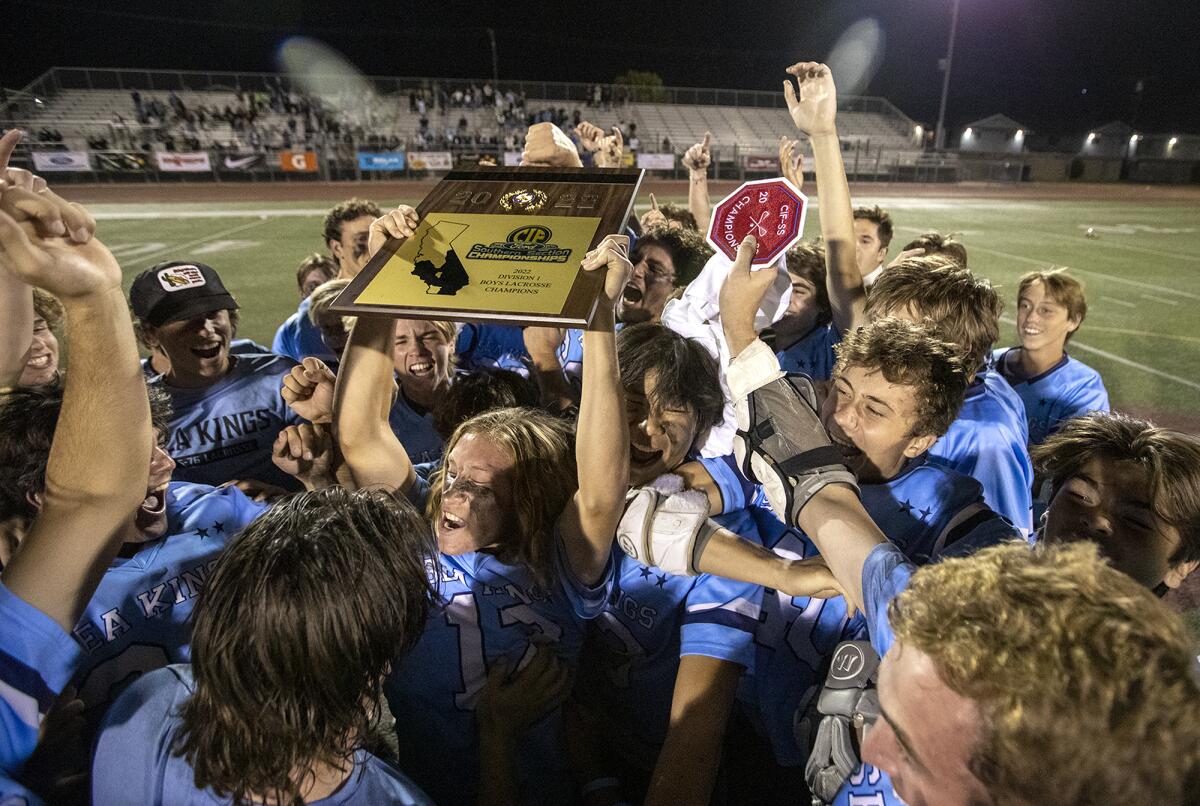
{"x": 1142, "y": 272}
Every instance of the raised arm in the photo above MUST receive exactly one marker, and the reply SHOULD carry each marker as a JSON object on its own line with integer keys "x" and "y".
{"x": 16, "y": 298}
{"x": 800, "y": 471}
{"x": 96, "y": 471}
{"x": 365, "y": 386}
{"x": 814, "y": 112}
{"x": 602, "y": 435}
{"x": 697, "y": 159}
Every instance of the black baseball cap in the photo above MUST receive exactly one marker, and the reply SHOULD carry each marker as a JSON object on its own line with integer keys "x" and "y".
{"x": 177, "y": 290}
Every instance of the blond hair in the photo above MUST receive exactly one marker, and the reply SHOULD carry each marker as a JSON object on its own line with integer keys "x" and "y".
{"x": 963, "y": 308}
{"x": 1060, "y": 287}
{"x": 322, "y": 298}
{"x": 544, "y": 480}
{"x": 1085, "y": 684}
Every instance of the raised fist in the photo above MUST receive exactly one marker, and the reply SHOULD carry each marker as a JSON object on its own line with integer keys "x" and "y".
{"x": 697, "y": 158}
{"x": 546, "y": 145}
{"x": 612, "y": 257}
{"x": 308, "y": 390}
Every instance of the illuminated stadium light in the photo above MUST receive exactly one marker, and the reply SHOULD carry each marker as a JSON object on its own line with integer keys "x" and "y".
{"x": 1020, "y": 133}
{"x": 968, "y": 132}
{"x": 1133, "y": 138}
{"x": 1091, "y": 138}
{"x": 1171, "y": 143}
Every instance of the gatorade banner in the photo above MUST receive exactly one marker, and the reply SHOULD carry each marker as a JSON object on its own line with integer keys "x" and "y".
{"x": 298, "y": 161}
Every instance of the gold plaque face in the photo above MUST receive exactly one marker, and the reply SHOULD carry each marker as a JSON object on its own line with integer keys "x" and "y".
{"x": 518, "y": 264}
{"x": 500, "y": 245}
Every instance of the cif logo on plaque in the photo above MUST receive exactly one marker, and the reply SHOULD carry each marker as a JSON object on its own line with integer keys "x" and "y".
{"x": 530, "y": 234}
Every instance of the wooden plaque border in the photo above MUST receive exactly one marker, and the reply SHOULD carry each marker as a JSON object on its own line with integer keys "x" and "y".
{"x": 614, "y": 190}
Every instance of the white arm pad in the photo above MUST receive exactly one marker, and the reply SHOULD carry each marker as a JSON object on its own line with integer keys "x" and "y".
{"x": 754, "y": 367}
{"x": 668, "y": 531}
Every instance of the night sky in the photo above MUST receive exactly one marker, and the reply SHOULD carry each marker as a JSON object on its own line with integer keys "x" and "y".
{"x": 1031, "y": 59}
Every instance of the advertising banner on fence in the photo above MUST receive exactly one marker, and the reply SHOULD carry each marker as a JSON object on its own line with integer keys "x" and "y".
{"x": 512, "y": 158}
{"x": 381, "y": 161}
{"x": 243, "y": 162}
{"x": 770, "y": 164}
{"x": 430, "y": 160}
{"x": 183, "y": 161}
{"x": 303, "y": 161}
{"x": 120, "y": 161}
{"x": 44, "y": 161}
{"x": 656, "y": 162}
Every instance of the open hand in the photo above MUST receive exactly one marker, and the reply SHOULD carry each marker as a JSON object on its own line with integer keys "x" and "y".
{"x": 814, "y": 110}
{"x": 789, "y": 162}
{"x": 608, "y": 155}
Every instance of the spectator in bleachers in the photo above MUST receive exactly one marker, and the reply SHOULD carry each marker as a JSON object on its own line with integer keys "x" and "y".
{"x": 345, "y": 231}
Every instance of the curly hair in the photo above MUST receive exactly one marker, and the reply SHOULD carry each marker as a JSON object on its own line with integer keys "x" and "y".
{"x": 1170, "y": 459}
{"x": 910, "y": 354}
{"x": 680, "y": 214}
{"x": 964, "y": 309}
{"x": 295, "y": 629}
{"x": 28, "y": 419}
{"x": 1085, "y": 684}
{"x": 544, "y": 480}
{"x": 687, "y": 248}
{"x": 806, "y": 260}
{"x": 345, "y": 211}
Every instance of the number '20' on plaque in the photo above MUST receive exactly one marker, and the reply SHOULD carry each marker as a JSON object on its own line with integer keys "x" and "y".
{"x": 501, "y": 245}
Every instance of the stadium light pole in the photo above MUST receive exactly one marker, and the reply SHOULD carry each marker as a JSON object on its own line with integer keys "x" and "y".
{"x": 939, "y": 141}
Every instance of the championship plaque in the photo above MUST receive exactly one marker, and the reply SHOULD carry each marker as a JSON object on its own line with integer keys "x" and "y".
{"x": 499, "y": 245}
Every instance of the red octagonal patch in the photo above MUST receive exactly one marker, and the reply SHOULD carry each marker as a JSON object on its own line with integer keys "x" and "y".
{"x": 770, "y": 209}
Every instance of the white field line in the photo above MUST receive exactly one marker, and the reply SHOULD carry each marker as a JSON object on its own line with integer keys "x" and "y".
{"x": 155, "y": 215}
{"x": 1045, "y": 264}
{"x": 179, "y": 249}
{"x": 1124, "y": 331}
{"x": 1122, "y": 360}
{"x": 1160, "y": 299}
{"x": 1120, "y": 302}
{"x": 1110, "y": 243}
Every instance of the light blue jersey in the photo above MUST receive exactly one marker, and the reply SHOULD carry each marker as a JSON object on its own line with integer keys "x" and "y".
{"x": 482, "y": 346}
{"x": 1068, "y": 389}
{"x": 37, "y": 659}
{"x": 813, "y": 355}
{"x": 653, "y": 619}
{"x": 298, "y": 337}
{"x": 886, "y": 573}
{"x": 413, "y": 426}
{"x": 225, "y": 431}
{"x": 140, "y": 617}
{"x": 489, "y": 610}
{"x": 927, "y": 512}
{"x": 570, "y": 356}
{"x": 988, "y": 442}
{"x": 134, "y": 764}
